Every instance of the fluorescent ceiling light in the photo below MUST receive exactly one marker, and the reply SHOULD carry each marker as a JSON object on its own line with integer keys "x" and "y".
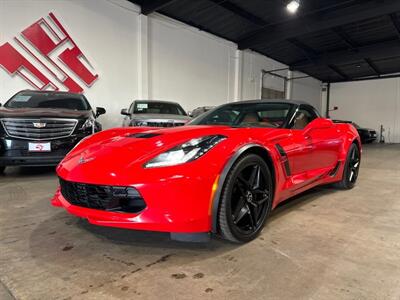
{"x": 293, "y": 6}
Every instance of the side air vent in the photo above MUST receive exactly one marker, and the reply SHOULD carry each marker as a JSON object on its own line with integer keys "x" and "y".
{"x": 143, "y": 135}
{"x": 335, "y": 170}
{"x": 280, "y": 150}
{"x": 284, "y": 159}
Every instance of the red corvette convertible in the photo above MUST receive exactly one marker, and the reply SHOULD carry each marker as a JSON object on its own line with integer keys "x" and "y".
{"x": 223, "y": 173}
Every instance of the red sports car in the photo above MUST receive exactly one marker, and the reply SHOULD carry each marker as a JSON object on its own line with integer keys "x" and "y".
{"x": 223, "y": 173}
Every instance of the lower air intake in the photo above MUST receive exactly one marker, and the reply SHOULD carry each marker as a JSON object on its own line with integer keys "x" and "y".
{"x": 102, "y": 197}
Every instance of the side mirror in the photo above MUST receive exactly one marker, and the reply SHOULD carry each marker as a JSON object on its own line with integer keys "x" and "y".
{"x": 319, "y": 123}
{"x": 100, "y": 111}
{"x": 125, "y": 112}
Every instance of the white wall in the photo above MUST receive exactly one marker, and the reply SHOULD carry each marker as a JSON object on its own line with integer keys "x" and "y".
{"x": 189, "y": 66}
{"x": 146, "y": 57}
{"x": 370, "y": 104}
{"x": 253, "y": 65}
{"x": 105, "y": 31}
{"x": 307, "y": 89}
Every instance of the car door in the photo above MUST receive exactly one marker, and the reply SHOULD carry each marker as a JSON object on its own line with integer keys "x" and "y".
{"x": 326, "y": 141}
{"x": 302, "y": 151}
{"x": 322, "y": 142}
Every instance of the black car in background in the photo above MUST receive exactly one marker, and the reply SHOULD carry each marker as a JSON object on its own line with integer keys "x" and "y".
{"x": 38, "y": 128}
{"x": 367, "y": 135}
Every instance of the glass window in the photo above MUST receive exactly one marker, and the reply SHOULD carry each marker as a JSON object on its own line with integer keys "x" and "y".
{"x": 131, "y": 109}
{"x": 150, "y": 107}
{"x": 32, "y": 99}
{"x": 303, "y": 116}
{"x": 247, "y": 115}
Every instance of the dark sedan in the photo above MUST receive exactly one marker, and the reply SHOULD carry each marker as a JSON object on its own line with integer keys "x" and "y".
{"x": 38, "y": 128}
{"x": 367, "y": 135}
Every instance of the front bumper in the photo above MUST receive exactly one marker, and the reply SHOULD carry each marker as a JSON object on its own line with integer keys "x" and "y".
{"x": 173, "y": 204}
{"x": 368, "y": 138}
{"x": 14, "y": 152}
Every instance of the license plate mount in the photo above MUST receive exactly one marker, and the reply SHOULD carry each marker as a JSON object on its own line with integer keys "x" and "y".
{"x": 39, "y": 147}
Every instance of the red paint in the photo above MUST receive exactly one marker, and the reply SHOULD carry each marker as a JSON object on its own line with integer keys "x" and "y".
{"x": 71, "y": 57}
{"x": 46, "y": 42}
{"x": 13, "y": 62}
{"x": 178, "y": 198}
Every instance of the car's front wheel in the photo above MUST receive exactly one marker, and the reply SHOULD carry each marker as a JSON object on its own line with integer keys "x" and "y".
{"x": 2, "y": 170}
{"x": 246, "y": 199}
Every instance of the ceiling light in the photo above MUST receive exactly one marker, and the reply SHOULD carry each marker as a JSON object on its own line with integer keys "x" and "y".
{"x": 293, "y": 6}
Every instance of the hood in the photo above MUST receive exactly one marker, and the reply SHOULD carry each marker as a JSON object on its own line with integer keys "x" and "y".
{"x": 43, "y": 113}
{"x": 165, "y": 117}
{"x": 117, "y": 155}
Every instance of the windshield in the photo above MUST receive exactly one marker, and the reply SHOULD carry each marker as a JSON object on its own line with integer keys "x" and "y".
{"x": 150, "y": 107}
{"x": 271, "y": 115}
{"x": 30, "y": 99}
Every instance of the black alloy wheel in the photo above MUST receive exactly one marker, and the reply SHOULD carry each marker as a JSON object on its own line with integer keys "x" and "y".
{"x": 354, "y": 165}
{"x": 246, "y": 199}
{"x": 351, "y": 168}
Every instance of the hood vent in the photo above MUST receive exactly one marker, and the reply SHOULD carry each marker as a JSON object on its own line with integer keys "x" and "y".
{"x": 143, "y": 135}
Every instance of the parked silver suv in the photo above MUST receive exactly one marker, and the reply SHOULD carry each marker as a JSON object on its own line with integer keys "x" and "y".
{"x": 154, "y": 113}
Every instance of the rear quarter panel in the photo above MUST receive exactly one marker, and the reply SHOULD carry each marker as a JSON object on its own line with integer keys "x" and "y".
{"x": 349, "y": 135}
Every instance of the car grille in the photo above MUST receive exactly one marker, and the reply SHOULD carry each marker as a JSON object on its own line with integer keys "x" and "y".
{"x": 39, "y": 129}
{"x": 102, "y": 197}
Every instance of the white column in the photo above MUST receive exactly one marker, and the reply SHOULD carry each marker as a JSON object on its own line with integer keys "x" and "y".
{"x": 237, "y": 88}
{"x": 324, "y": 94}
{"x": 289, "y": 85}
{"x": 143, "y": 58}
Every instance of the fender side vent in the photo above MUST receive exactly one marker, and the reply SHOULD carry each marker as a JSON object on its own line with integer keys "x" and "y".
{"x": 284, "y": 159}
{"x": 143, "y": 135}
{"x": 281, "y": 150}
{"x": 335, "y": 170}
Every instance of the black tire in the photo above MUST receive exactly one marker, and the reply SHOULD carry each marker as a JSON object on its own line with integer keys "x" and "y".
{"x": 248, "y": 190}
{"x": 2, "y": 170}
{"x": 351, "y": 169}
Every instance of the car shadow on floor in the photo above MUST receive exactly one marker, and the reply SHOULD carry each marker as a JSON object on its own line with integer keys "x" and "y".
{"x": 150, "y": 239}
{"x": 64, "y": 239}
{"x": 298, "y": 201}
{"x": 29, "y": 171}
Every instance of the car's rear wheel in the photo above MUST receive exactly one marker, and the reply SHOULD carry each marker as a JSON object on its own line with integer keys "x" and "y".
{"x": 246, "y": 199}
{"x": 2, "y": 170}
{"x": 351, "y": 168}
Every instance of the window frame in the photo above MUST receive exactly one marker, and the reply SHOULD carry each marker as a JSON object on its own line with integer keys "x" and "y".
{"x": 310, "y": 109}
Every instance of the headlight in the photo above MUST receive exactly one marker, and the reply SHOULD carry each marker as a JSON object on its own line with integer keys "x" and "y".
{"x": 89, "y": 123}
{"x": 138, "y": 123}
{"x": 186, "y": 152}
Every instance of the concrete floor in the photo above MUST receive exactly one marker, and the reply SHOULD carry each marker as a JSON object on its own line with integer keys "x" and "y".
{"x": 326, "y": 244}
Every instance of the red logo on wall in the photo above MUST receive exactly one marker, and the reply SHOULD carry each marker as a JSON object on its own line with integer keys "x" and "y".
{"x": 47, "y": 58}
